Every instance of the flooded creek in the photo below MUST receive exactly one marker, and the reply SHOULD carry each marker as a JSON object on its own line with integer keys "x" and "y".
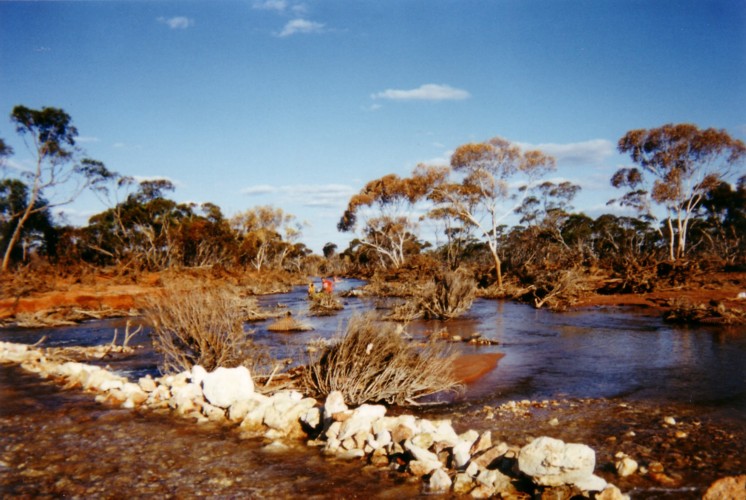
{"x": 606, "y": 377}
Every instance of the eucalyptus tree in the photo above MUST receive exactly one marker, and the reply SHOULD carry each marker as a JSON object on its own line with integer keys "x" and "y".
{"x": 383, "y": 213}
{"x": 58, "y": 176}
{"x": 677, "y": 166}
{"x": 492, "y": 180}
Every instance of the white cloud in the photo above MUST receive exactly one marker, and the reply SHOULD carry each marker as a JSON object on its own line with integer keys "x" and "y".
{"x": 87, "y": 139}
{"x": 276, "y": 5}
{"x": 177, "y": 23}
{"x": 426, "y": 92}
{"x": 313, "y": 195}
{"x": 301, "y": 26}
{"x": 577, "y": 153}
{"x": 259, "y": 190}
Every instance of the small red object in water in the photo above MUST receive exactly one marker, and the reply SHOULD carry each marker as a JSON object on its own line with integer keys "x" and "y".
{"x": 327, "y": 285}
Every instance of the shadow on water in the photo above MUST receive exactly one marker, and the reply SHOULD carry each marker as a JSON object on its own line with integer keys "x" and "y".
{"x": 62, "y": 443}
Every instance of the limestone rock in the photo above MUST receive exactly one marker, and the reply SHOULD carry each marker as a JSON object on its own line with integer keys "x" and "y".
{"x": 285, "y": 411}
{"x": 551, "y": 462}
{"x": 439, "y": 481}
{"x": 421, "y": 468}
{"x": 482, "y": 443}
{"x": 311, "y": 419}
{"x": 462, "y": 483}
{"x": 420, "y": 453}
{"x": 613, "y": 493}
{"x": 485, "y": 458}
{"x": 147, "y": 383}
{"x": 361, "y": 420}
{"x": 591, "y": 483}
{"x": 334, "y": 403}
{"x": 626, "y": 466}
{"x": 461, "y": 455}
{"x": 727, "y": 487}
{"x": 198, "y": 374}
{"x": 225, "y": 386}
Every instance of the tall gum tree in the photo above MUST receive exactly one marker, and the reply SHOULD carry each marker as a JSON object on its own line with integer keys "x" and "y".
{"x": 384, "y": 207}
{"x": 678, "y": 165}
{"x": 57, "y": 176}
{"x": 495, "y": 178}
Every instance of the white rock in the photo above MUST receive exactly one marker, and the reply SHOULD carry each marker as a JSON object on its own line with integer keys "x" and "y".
{"x": 626, "y": 466}
{"x": 383, "y": 437}
{"x": 461, "y": 455}
{"x": 284, "y": 414}
{"x": 225, "y": 386}
{"x": 312, "y": 418}
{"x": 334, "y": 403}
{"x": 198, "y": 374}
{"x": 494, "y": 479}
{"x": 439, "y": 481}
{"x": 420, "y": 453}
{"x": 361, "y": 420}
{"x": 147, "y": 383}
{"x": 592, "y": 483}
{"x": 421, "y": 468}
{"x": 472, "y": 470}
{"x": 551, "y": 462}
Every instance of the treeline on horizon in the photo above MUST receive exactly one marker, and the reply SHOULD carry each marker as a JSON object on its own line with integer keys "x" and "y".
{"x": 693, "y": 177}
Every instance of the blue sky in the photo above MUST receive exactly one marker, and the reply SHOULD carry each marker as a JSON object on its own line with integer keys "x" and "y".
{"x": 299, "y": 104}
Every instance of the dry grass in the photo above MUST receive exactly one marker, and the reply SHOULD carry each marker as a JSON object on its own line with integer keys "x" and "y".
{"x": 373, "y": 363}
{"x": 201, "y": 325}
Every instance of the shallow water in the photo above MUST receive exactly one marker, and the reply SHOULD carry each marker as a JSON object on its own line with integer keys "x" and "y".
{"x": 62, "y": 443}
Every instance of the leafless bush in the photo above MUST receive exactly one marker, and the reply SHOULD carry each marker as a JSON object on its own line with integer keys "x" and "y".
{"x": 373, "y": 363}
{"x": 447, "y": 296}
{"x": 201, "y": 325}
{"x": 324, "y": 304}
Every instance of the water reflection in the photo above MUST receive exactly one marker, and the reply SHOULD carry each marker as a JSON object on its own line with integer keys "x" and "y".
{"x": 591, "y": 353}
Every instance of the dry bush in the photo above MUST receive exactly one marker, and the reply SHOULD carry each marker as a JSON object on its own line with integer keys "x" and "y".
{"x": 201, "y": 325}
{"x": 373, "y": 363}
{"x": 447, "y": 296}
{"x": 324, "y": 304}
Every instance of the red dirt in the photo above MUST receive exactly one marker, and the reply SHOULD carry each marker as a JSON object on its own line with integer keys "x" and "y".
{"x": 121, "y": 297}
{"x": 470, "y": 367}
{"x": 718, "y": 287}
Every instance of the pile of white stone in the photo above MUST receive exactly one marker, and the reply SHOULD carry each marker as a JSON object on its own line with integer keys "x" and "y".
{"x": 467, "y": 463}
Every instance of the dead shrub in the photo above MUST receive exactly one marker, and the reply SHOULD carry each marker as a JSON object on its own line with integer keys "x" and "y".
{"x": 324, "y": 304}
{"x": 201, "y": 325}
{"x": 373, "y": 363}
{"x": 449, "y": 295}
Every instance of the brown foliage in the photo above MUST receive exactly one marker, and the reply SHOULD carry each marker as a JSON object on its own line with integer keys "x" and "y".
{"x": 448, "y": 295}
{"x": 197, "y": 324}
{"x": 373, "y": 363}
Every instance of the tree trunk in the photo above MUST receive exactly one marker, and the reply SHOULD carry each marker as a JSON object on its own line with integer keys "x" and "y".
{"x": 498, "y": 265}
{"x": 671, "y": 240}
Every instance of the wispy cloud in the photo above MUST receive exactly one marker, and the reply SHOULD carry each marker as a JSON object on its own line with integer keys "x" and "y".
{"x": 259, "y": 190}
{"x": 275, "y": 5}
{"x": 177, "y": 23}
{"x": 313, "y": 195}
{"x": 301, "y": 26}
{"x": 426, "y": 92}
{"x": 87, "y": 139}
{"x": 577, "y": 153}
{"x": 280, "y": 6}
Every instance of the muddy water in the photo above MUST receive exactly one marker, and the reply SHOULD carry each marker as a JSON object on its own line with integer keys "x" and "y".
{"x": 608, "y": 378}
